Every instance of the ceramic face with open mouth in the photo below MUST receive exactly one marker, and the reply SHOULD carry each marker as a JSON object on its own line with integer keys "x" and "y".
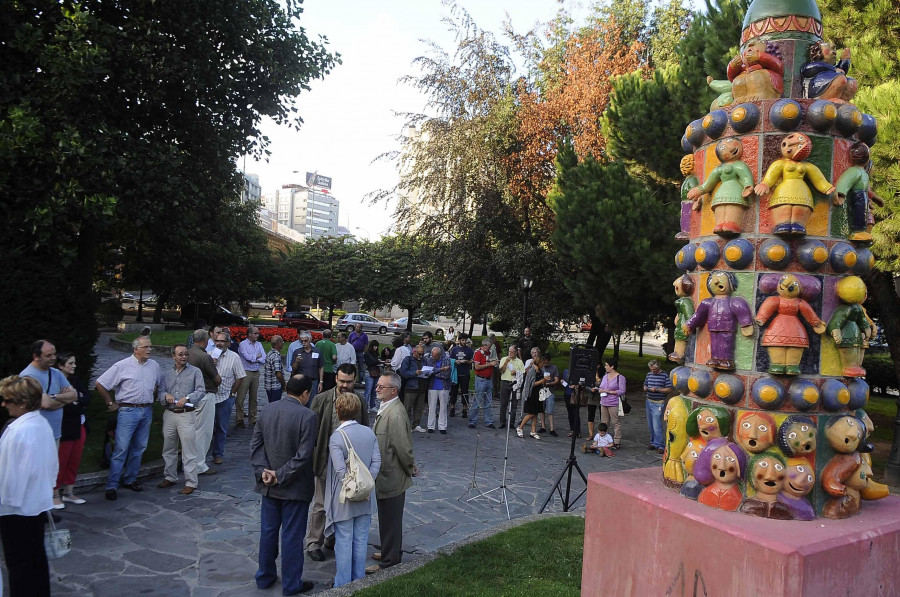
{"x": 755, "y": 431}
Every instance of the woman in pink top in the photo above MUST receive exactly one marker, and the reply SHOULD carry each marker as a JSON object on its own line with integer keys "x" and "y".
{"x": 611, "y": 387}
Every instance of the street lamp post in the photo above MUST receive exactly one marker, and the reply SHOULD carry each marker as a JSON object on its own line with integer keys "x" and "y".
{"x": 525, "y": 282}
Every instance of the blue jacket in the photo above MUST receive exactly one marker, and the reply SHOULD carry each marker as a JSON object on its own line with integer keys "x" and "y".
{"x": 408, "y": 372}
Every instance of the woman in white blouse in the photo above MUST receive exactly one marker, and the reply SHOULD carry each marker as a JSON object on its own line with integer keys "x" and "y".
{"x": 28, "y": 467}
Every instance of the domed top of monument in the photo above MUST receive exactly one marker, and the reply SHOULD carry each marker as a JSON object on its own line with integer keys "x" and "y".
{"x": 766, "y": 9}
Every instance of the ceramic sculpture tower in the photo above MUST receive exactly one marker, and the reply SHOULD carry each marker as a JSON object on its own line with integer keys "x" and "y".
{"x": 771, "y": 326}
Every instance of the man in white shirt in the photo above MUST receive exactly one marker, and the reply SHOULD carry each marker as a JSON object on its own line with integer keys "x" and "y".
{"x": 346, "y": 353}
{"x": 228, "y": 364}
{"x": 253, "y": 355}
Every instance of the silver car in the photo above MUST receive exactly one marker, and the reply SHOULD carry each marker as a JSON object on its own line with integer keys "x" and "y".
{"x": 369, "y": 324}
{"x": 419, "y": 326}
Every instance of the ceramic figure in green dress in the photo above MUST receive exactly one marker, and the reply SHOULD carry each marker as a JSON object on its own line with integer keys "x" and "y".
{"x": 684, "y": 288}
{"x": 735, "y": 188}
{"x": 792, "y": 201}
{"x": 849, "y": 325}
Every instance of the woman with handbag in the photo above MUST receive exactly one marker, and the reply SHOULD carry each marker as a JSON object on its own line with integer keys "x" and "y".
{"x": 348, "y": 511}
{"x": 533, "y": 406}
{"x": 29, "y": 464}
{"x": 610, "y": 391}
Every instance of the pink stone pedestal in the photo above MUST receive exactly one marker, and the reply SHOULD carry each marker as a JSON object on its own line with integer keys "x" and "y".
{"x": 643, "y": 539}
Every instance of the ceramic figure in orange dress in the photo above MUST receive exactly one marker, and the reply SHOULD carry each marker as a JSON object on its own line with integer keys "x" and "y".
{"x": 720, "y": 468}
{"x": 785, "y": 337}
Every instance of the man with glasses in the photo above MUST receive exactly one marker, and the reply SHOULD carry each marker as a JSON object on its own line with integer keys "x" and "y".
{"x": 228, "y": 364}
{"x": 395, "y": 444}
{"x": 307, "y": 361}
{"x": 252, "y": 358}
{"x": 324, "y": 407}
{"x": 134, "y": 380}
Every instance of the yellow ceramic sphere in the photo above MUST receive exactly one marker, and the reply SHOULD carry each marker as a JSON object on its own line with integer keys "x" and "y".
{"x": 680, "y": 257}
{"x": 843, "y": 396}
{"x": 871, "y": 261}
{"x": 693, "y": 384}
{"x": 733, "y": 253}
{"x": 700, "y": 254}
{"x": 776, "y": 253}
{"x": 674, "y": 379}
{"x": 687, "y": 132}
{"x": 850, "y": 259}
{"x": 707, "y": 120}
{"x": 790, "y": 110}
{"x": 830, "y": 112}
{"x": 768, "y": 394}
{"x": 857, "y": 118}
{"x": 723, "y": 390}
{"x": 739, "y": 114}
{"x": 851, "y": 289}
{"x": 811, "y": 395}
{"x": 820, "y": 255}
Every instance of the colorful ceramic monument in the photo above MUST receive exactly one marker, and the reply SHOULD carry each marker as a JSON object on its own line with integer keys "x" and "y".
{"x": 776, "y": 214}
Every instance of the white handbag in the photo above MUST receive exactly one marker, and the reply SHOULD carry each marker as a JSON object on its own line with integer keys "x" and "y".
{"x": 57, "y": 542}
{"x": 544, "y": 393}
{"x": 358, "y": 482}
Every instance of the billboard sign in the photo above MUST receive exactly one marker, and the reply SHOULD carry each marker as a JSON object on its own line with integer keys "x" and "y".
{"x": 314, "y": 179}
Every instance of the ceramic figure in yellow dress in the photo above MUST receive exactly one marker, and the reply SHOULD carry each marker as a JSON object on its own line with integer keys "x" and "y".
{"x": 788, "y": 179}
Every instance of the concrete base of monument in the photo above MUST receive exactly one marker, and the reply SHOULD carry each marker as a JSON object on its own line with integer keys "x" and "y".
{"x": 644, "y": 539}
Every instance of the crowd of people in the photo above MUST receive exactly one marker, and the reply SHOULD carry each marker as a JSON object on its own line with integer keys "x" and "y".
{"x": 304, "y": 442}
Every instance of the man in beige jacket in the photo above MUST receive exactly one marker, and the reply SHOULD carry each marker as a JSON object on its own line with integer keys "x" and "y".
{"x": 397, "y": 465}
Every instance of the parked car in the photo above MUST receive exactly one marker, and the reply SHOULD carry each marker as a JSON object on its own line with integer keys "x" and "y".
{"x": 211, "y": 314}
{"x": 303, "y": 320}
{"x": 369, "y": 324}
{"x": 262, "y": 305}
{"x": 419, "y": 326}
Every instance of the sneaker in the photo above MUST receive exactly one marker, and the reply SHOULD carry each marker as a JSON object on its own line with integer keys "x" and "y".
{"x": 72, "y": 498}
{"x": 419, "y": 429}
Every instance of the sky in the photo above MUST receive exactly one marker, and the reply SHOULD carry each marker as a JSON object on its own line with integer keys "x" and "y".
{"x": 349, "y": 116}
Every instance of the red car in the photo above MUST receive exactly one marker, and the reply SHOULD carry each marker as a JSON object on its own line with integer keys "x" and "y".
{"x": 278, "y": 312}
{"x": 302, "y": 320}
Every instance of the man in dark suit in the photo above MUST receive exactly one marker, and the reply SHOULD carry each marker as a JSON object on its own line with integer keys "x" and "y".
{"x": 397, "y": 465}
{"x": 281, "y": 452}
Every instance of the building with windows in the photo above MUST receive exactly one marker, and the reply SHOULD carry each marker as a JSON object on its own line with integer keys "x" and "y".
{"x": 311, "y": 211}
{"x": 252, "y": 191}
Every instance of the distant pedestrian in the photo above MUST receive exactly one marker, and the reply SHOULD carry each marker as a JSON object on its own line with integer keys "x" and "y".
{"x": 525, "y": 343}
{"x": 205, "y": 419}
{"x": 253, "y": 356}
{"x": 463, "y": 354}
{"x": 328, "y": 357}
{"x": 532, "y": 405}
{"x": 28, "y": 468}
{"x": 657, "y": 385}
{"x": 510, "y": 367}
{"x": 552, "y": 382}
{"x": 438, "y": 389}
{"x": 611, "y": 389}
{"x": 228, "y": 364}
{"x": 134, "y": 382}
{"x": 403, "y": 350}
{"x": 348, "y": 521}
{"x": 273, "y": 372}
{"x": 450, "y": 336}
{"x": 281, "y": 454}
{"x": 416, "y": 386}
{"x": 74, "y": 432}
{"x": 373, "y": 372}
{"x": 428, "y": 343}
{"x": 360, "y": 340}
{"x": 484, "y": 388}
{"x": 397, "y": 469}
{"x": 180, "y": 390}
{"x": 346, "y": 353}
{"x": 572, "y": 394}
{"x": 306, "y": 362}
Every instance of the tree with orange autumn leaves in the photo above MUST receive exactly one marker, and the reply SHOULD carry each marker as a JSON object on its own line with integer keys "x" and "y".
{"x": 567, "y": 105}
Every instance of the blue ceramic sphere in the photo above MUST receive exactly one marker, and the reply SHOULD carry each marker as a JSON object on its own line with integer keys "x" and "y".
{"x": 785, "y": 114}
{"x": 868, "y": 131}
{"x": 738, "y": 253}
{"x": 849, "y": 119}
{"x": 707, "y": 254}
{"x": 803, "y": 394}
{"x": 686, "y": 146}
{"x": 843, "y": 257}
{"x": 835, "y": 395}
{"x": 774, "y": 253}
{"x": 729, "y": 388}
{"x": 700, "y": 383}
{"x": 679, "y": 377}
{"x": 767, "y": 393}
{"x": 684, "y": 258}
{"x": 744, "y": 117}
{"x": 859, "y": 393}
{"x": 714, "y": 123}
{"x": 812, "y": 255}
{"x": 865, "y": 261}
{"x": 821, "y": 115}
{"x": 695, "y": 133}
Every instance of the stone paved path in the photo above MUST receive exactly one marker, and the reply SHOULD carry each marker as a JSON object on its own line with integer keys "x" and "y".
{"x": 205, "y": 545}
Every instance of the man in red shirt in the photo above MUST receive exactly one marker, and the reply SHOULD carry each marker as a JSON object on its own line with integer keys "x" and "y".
{"x": 484, "y": 388}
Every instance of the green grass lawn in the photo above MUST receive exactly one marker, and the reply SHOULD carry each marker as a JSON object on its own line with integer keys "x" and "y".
{"x": 539, "y": 558}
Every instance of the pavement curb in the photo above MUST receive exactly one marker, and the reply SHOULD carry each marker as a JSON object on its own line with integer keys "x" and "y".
{"x": 419, "y": 561}
{"x": 99, "y": 477}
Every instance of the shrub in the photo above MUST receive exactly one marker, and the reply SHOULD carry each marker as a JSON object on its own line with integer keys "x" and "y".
{"x": 266, "y": 333}
{"x": 880, "y": 372}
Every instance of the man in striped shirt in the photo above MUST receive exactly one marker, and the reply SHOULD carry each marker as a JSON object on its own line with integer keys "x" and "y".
{"x": 230, "y": 369}
{"x": 657, "y": 385}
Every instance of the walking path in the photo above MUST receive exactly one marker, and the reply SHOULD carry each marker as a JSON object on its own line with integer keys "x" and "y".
{"x": 158, "y": 542}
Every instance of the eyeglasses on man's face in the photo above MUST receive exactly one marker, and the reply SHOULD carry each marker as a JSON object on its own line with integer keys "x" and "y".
{"x": 380, "y": 387}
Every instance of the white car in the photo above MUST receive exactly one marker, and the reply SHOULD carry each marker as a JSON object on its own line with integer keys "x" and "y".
{"x": 419, "y": 326}
{"x": 369, "y": 324}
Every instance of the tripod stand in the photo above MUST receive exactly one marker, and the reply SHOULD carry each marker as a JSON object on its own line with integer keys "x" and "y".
{"x": 502, "y": 488}
{"x": 571, "y": 463}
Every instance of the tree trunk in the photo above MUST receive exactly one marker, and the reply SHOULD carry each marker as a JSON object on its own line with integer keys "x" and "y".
{"x": 409, "y": 317}
{"x": 641, "y": 343}
{"x": 617, "y": 339}
{"x": 669, "y": 345}
{"x": 330, "y": 313}
{"x": 161, "y": 299}
{"x": 140, "y": 315}
{"x": 484, "y": 330}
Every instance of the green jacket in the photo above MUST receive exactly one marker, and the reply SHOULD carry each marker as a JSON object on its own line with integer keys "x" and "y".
{"x": 395, "y": 444}
{"x": 323, "y": 406}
